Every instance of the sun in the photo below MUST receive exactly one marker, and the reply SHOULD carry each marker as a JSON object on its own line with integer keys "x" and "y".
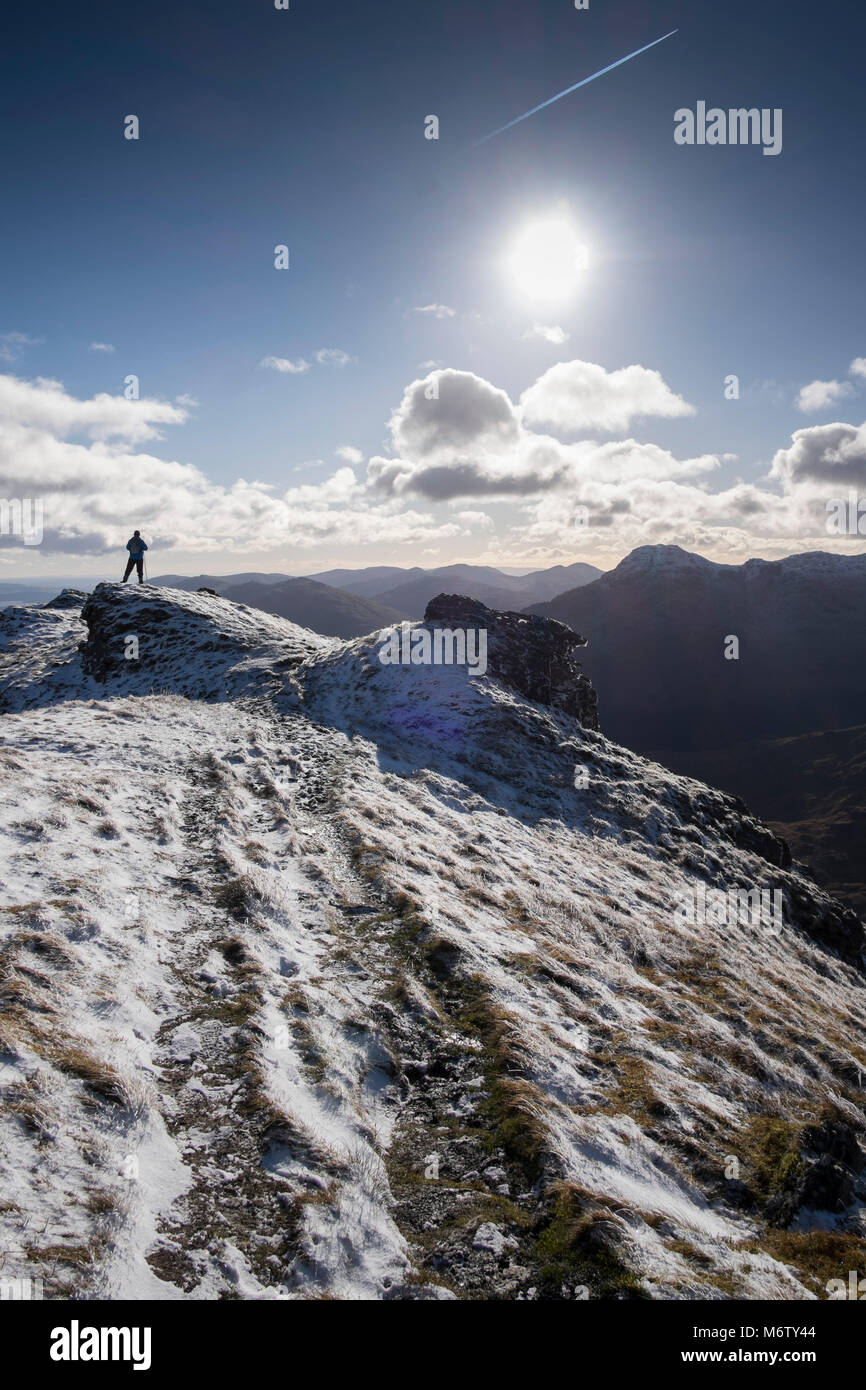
{"x": 547, "y": 260}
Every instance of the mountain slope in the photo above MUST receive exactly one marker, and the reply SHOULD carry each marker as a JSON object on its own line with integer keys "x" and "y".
{"x": 321, "y": 607}
{"x": 327, "y": 977}
{"x": 214, "y": 581}
{"x": 811, "y": 788}
{"x": 657, "y": 627}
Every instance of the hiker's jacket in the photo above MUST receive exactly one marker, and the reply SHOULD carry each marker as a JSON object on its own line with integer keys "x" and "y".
{"x": 135, "y": 545}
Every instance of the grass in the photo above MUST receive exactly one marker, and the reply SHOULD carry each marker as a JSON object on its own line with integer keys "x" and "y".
{"x": 238, "y": 897}
{"x": 817, "y": 1256}
{"x": 511, "y": 1107}
{"x": 578, "y": 1245}
{"x": 101, "y": 1080}
{"x": 770, "y": 1151}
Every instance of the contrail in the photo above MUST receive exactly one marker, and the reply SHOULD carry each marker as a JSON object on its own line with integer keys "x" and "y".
{"x": 582, "y": 83}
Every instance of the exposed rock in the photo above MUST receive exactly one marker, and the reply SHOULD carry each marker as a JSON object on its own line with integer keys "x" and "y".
{"x": 67, "y": 598}
{"x": 823, "y": 1177}
{"x": 532, "y": 655}
{"x": 221, "y": 648}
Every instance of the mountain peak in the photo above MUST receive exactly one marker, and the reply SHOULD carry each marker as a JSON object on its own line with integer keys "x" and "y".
{"x": 662, "y": 560}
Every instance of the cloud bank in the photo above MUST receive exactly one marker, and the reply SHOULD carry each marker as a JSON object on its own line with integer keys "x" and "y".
{"x": 458, "y": 445}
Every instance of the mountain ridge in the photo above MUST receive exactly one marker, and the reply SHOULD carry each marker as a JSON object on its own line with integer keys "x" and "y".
{"x": 380, "y": 974}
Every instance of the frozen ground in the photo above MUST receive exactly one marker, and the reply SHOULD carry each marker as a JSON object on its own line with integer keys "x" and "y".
{"x": 322, "y": 978}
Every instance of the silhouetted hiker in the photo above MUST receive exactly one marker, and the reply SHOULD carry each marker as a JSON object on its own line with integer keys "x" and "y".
{"x": 136, "y": 547}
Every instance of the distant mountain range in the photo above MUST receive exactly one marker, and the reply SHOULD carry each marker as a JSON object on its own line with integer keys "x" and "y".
{"x": 657, "y": 627}
{"x": 411, "y": 590}
{"x": 13, "y": 592}
{"x": 351, "y": 603}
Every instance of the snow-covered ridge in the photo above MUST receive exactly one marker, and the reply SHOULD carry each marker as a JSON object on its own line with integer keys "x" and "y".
{"x": 673, "y": 561}
{"x": 322, "y": 975}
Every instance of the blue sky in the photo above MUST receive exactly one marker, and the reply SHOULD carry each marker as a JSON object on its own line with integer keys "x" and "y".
{"x": 306, "y": 127}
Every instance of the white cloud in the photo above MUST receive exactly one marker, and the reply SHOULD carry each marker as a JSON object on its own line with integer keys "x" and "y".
{"x": 349, "y": 453}
{"x": 476, "y": 521}
{"x": 101, "y": 347}
{"x": 574, "y": 396}
{"x": 467, "y": 445}
{"x": 858, "y": 367}
{"x": 333, "y": 357}
{"x": 456, "y": 435}
{"x": 93, "y": 490}
{"x": 13, "y": 344}
{"x": 457, "y": 438}
{"x": 284, "y": 364}
{"x": 820, "y": 394}
{"x": 44, "y": 405}
{"x": 187, "y": 400}
{"x": 436, "y": 311}
{"x": 449, "y": 410}
{"x": 553, "y": 334}
{"x": 822, "y": 454}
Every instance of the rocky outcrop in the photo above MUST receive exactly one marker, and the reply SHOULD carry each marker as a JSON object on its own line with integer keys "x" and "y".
{"x": 67, "y": 598}
{"x": 141, "y": 637}
{"x": 534, "y": 656}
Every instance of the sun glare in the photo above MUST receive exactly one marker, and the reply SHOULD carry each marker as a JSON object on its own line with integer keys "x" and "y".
{"x": 547, "y": 260}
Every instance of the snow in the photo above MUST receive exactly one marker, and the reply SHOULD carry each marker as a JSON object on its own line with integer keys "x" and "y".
{"x": 184, "y": 887}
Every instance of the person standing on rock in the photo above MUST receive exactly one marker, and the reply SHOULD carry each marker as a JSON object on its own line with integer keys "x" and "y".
{"x": 136, "y": 547}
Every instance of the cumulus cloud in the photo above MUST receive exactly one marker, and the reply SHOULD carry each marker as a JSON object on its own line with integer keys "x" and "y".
{"x": 822, "y": 454}
{"x": 101, "y": 347}
{"x": 858, "y": 367}
{"x": 436, "y": 311}
{"x": 457, "y": 440}
{"x": 818, "y": 395}
{"x": 553, "y": 334}
{"x": 449, "y": 410}
{"x": 80, "y": 458}
{"x": 333, "y": 357}
{"x": 461, "y": 478}
{"x": 456, "y": 435}
{"x": 574, "y": 396}
{"x": 285, "y": 364}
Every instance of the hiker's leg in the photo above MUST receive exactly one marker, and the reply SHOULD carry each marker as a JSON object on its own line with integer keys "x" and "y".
{"x": 128, "y": 571}
{"x": 139, "y": 565}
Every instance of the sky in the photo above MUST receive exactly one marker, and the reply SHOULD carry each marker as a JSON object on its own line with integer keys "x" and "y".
{"x": 514, "y": 351}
